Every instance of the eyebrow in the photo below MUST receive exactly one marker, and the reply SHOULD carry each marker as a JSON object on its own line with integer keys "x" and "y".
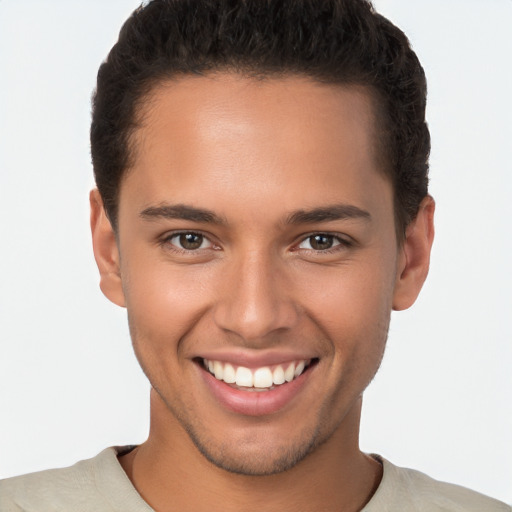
{"x": 182, "y": 212}
{"x": 193, "y": 214}
{"x": 328, "y": 213}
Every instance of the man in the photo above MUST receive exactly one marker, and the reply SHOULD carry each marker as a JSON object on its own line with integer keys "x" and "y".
{"x": 262, "y": 206}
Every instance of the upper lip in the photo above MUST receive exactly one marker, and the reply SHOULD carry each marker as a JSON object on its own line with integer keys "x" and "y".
{"x": 255, "y": 359}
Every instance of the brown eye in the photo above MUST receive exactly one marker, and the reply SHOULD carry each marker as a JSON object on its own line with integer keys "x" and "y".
{"x": 189, "y": 241}
{"x": 321, "y": 242}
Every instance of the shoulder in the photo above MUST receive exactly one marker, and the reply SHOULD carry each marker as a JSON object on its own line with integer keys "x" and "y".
{"x": 55, "y": 486}
{"x": 93, "y": 484}
{"x": 407, "y": 489}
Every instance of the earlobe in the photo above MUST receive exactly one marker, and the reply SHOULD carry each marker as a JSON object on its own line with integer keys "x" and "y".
{"x": 106, "y": 251}
{"x": 414, "y": 257}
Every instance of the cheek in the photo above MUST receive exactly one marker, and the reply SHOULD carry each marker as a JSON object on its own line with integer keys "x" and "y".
{"x": 358, "y": 294}
{"x": 352, "y": 306}
{"x": 163, "y": 302}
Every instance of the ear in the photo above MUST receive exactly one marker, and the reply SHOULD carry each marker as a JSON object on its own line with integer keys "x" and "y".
{"x": 106, "y": 252}
{"x": 414, "y": 256}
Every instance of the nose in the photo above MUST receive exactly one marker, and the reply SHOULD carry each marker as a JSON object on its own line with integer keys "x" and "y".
{"x": 256, "y": 299}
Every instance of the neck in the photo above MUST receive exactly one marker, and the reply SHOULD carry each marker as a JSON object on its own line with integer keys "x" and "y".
{"x": 171, "y": 474}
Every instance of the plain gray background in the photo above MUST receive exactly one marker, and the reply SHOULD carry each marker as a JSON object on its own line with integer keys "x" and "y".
{"x": 69, "y": 383}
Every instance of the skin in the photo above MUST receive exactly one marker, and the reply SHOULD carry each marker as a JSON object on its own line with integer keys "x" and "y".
{"x": 254, "y": 153}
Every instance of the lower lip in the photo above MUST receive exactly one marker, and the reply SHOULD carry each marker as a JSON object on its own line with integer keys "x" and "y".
{"x": 255, "y": 403}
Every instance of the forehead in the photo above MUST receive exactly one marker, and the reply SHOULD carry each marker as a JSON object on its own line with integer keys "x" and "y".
{"x": 242, "y": 138}
{"x": 301, "y": 108}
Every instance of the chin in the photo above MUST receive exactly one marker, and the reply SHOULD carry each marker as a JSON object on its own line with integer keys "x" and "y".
{"x": 256, "y": 457}
{"x": 260, "y": 449}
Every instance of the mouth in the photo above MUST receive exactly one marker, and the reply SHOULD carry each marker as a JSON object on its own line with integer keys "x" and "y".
{"x": 256, "y": 385}
{"x": 264, "y": 378}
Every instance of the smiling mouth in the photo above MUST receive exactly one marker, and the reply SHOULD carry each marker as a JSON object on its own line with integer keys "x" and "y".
{"x": 264, "y": 378}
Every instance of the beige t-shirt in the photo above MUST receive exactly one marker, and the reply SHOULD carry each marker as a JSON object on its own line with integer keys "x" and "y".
{"x": 100, "y": 485}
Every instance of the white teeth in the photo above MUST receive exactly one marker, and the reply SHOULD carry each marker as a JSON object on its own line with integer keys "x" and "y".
{"x": 263, "y": 378}
{"x": 278, "y": 375}
{"x": 244, "y": 377}
{"x": 299, "y": 368}
{"x": 260, "y": 378}
{"x": 229, "y": 374}
{"x": 218, "y": 370}
{"x": 289, "y": 374}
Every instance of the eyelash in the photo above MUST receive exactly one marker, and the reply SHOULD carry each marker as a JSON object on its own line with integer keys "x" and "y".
{"x": 342, "y": 243}
{"x": 166, "y": 241}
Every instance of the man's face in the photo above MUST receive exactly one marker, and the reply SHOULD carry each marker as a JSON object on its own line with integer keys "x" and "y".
{"x": 256, "y": 231}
